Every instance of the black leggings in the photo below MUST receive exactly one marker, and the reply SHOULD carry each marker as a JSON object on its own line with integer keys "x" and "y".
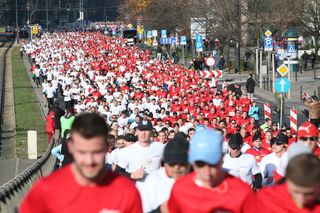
{"x": 67, "y": 104}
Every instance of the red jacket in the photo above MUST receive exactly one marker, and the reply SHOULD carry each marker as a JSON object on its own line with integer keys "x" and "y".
{"x": 50, "y": 122}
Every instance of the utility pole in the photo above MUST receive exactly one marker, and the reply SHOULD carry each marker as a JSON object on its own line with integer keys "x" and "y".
{"x": 59, "y": 12}
{"x": 28, "y": 14}
{"x": 47, "y": 14}
{"x": 81, "y": 12}
{"x": 17, "y": 23}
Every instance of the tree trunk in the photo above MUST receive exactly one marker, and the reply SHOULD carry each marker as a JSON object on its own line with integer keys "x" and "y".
{"x": 316, "y": 46}
{"x": 228, "y": 56}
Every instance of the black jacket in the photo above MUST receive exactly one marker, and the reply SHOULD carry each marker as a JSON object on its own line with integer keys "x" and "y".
{"x": 58, "y": 113}
{"x": 65, "y": 151}
{"x": 250, "y": 85}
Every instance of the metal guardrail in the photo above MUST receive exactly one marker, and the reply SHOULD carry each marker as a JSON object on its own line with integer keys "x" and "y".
{"x": 3, "y": 86}
{"x": 3, "y": 79}
{"x": 13, "y": 192}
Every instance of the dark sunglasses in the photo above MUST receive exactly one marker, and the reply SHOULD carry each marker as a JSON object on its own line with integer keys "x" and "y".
{"x": 235, "y": 148}
{"x": 180, "y": 164}
{"x": 310, "y": 138}
{"x": 277, "y": 143}
{"x": 201, "y": 164}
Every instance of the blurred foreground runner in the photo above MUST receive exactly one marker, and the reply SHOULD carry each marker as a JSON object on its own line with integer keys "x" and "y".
{"x": 84, "y": 186}
{"x": 208, "y": 188}
{"x": 299, "y": 193}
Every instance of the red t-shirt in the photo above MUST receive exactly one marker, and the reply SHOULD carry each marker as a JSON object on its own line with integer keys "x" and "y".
{"x": 258, "y": 154}
{"x": 245, "y": 103}
{"x": 228, "y": 196}
{"x": 317, "y": 152}
{"x": 266, "y": 145}
{"x": 59, "y": 192}
{"x": 291, "y": 140}
{"x": 278, "y": 199}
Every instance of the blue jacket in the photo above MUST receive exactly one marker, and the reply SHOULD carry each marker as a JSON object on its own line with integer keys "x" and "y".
{"x": 254, "y": 112}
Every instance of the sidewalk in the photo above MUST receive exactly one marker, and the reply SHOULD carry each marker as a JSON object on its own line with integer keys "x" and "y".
{"x": 37, "y": 90}
{"x": 305, "y": 79}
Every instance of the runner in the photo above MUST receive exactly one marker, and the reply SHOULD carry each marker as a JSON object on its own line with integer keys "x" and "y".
{"x": 208, "y": 188}
{"x": 141, "y": 158}
{"x": 240, "y": 164}
{"x": 300, "y": 192}
{"x": 270, "y": 162}
{"x": 155, "y": 191}
{"x": 78, "y": 187}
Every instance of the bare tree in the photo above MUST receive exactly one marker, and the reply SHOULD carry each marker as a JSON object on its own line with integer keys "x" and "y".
{"x": 310, "y": 20}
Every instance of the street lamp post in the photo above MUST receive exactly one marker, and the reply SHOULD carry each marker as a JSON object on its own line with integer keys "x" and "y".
{"x": 47, "y": 15}
{"x": 17, "y": 23}
{"x": 28, "y": 12}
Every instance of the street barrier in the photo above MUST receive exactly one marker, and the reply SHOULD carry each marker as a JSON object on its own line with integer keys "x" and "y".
{"x": 267, "y": 111}
{"x": 294, "y": 119}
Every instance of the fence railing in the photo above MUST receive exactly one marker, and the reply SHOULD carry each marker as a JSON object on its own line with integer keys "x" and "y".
{"x": 3, "y": 148}
{"x": 13, "y": 192}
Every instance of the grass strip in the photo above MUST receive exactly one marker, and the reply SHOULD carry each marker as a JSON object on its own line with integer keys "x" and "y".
{"x": 27, "y": 109}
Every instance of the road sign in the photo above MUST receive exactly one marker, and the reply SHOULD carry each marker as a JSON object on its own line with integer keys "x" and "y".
{"x": 140, "y": 29}
{"x": 199, "y": 44}
{"x": 282, "y": 85}
{"x": 163, "y": 33}
{"x": 291, "y": 50}
{"x": 183, "y": 40}
{"x": 154, "y": 33}
{"x": 210, "y": 73}
{"x": 149, "y": 34}
{"x": 170, "y": 40}
{"x": 210, "y": 62}
{"x": 35, "y": 30}
{"x": 283, "y": 70}
{"x": 268, "y": 33}
{"x": 268, "y": 44}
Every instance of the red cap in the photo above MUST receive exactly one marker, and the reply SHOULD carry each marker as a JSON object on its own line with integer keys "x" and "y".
{"x": 307, "y": 129}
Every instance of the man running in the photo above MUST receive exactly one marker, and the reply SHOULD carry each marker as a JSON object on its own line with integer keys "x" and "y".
{"x": 208, "y": 188}
{"x": 84, "y": 185}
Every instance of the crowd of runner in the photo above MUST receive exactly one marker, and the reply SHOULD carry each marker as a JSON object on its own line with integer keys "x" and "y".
{"x": 187, "y": 143}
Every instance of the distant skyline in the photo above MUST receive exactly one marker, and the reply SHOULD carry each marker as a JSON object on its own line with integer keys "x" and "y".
{"x": 94, "y": 10}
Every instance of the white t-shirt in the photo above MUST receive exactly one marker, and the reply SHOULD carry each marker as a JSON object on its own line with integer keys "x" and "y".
{"x": 133, "y": 125}
{"x": 67, "y": 95}
{"x": 136, "y": 156}
{"x": 158, "y": 128}
{"x": 44, "y": 86}
{"x": 268, "y": 166}
{"x": 79, "y": 108}
{"x": 243, "y": 166}
{"x": 50, "y": 92}
{"x": 123, "y": 122}
{"x": 216, "y": 102}
{"x": 155, "y": 190}
{"x": 49, "y": 76}
{"x": 154, "y": 108}
{"x": 245, "y": 147}
{"x": 116, "y": 110}
{"x": 111, "y": 158}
